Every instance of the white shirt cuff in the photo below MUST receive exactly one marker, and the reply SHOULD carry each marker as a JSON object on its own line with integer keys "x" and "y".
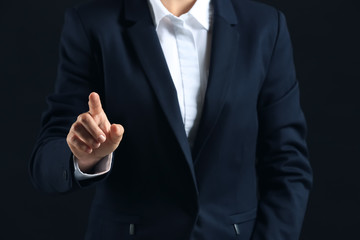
{"x": 101, "y": 168}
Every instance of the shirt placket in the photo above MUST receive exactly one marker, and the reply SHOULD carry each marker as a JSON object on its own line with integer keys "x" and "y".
{"x": 190, "y": 71}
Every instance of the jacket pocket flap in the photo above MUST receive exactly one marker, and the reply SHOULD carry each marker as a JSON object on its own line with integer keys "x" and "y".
{"x": 120, "y": 217}
{"x": 126, "y": 219}
{"x": 243, "y": 216}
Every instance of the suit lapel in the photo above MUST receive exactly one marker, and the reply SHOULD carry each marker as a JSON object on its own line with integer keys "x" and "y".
{"x": 143, "y": 36}
{"x": 222, "y": 62}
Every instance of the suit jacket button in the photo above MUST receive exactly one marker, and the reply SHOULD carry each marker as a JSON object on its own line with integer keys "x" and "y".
{"x": 132, "y": 229}
{"x": 65, "y": 175}
{"x": 237, "y": 229}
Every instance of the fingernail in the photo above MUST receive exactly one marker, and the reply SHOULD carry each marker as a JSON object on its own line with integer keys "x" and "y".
{"x": 102, "y": 138}
{"x": 96, "y": 145}
{"x": 89, "y": 150}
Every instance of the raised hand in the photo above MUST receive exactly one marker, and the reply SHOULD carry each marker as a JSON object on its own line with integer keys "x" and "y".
{"x": 92, "y": 137}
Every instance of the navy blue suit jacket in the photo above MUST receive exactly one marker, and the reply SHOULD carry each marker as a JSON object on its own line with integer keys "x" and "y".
{"x": 247, "y": 176}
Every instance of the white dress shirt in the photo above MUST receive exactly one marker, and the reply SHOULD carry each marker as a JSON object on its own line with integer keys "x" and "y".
{"x": 185, "y": 42}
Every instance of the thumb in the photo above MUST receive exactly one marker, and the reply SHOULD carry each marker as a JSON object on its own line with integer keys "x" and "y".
{"x": 95, "y": 106}
{"x": 116, "y": 133}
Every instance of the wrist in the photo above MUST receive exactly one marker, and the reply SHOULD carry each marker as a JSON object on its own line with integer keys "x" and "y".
{"x": 87, "y": 165}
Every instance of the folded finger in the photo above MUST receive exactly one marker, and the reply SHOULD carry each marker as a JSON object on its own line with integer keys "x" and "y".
{"x": 91, "y": 127}
{"x": 85, "y": 136}
{"x": 77, "y": 143}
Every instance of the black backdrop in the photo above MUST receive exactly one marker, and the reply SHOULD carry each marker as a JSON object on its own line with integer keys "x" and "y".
{"x": 325, "y": 35}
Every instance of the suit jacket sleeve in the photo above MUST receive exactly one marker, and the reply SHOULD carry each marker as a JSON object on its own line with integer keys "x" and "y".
{"x": 284, "y": 173}
{"x": 51, "y": 164}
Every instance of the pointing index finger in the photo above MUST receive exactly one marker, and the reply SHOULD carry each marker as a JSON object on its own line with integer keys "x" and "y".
{"x": 95, "y": 104}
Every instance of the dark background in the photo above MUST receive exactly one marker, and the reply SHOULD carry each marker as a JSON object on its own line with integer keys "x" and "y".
{"x": 325, "y": 35}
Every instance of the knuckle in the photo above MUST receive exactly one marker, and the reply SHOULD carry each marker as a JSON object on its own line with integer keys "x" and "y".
{"x": 79, "y": 118}
{"x": 83, "y": 118}
{"x": 77, "y": 127}
{"x": 71, "y": 130}
{"x": 68, "y": 139}
{"x": 122, "y": 130}
{"x": 74, "y": 140}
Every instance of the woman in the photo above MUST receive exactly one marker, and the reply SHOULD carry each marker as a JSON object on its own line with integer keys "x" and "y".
{"x": 214, "y": 144}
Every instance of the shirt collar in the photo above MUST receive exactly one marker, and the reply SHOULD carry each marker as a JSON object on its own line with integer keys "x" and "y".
{"x": 200, "y": 11}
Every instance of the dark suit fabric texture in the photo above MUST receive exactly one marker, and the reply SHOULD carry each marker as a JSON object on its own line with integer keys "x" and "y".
{"x": 247, "y": 175}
